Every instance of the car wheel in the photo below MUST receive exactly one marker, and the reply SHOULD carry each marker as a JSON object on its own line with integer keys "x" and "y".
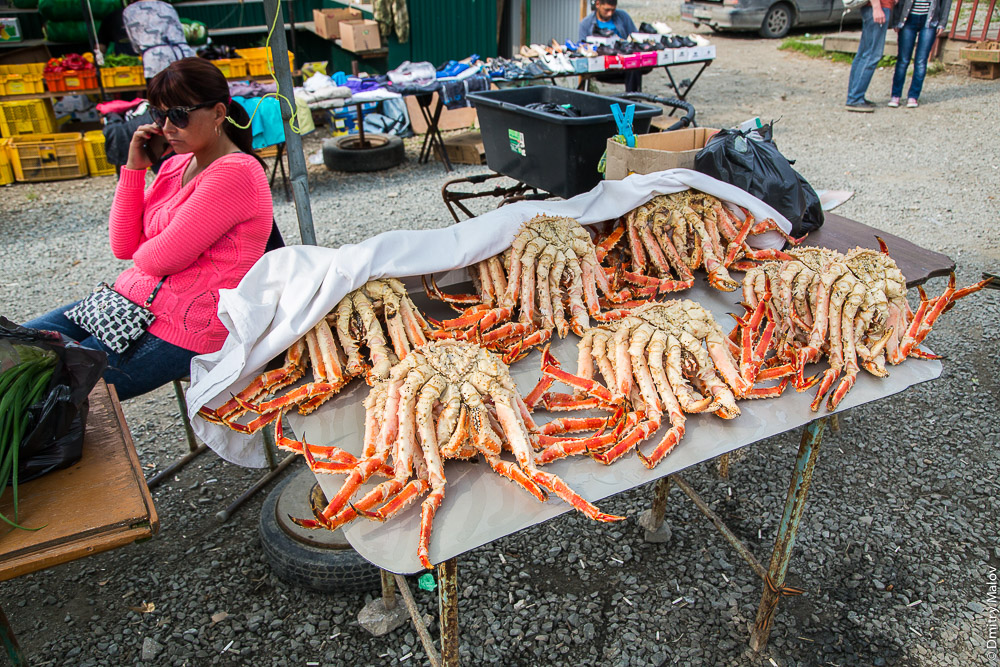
{"x": 318, "y": 560}
{"x": 347, "y": 154}
{"x": 778, "y": 21}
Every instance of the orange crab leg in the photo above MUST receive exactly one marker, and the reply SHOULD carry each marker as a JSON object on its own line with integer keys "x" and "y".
{"x": 591, "y": 387}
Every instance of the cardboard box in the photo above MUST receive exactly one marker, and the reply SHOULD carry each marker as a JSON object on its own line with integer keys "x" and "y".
{"x": 665, "y": 57}
{"x": 10, "y": 30}
{"x": 451, "y": 119}
{"x": 328, "y": 20}
{"x": 360, "y": 35}
{"x": 683, "y": 55}
{"x": 466, "y": 148}
{"x": 656, "y": 152}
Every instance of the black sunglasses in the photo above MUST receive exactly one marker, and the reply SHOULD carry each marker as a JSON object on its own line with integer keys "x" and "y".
{"x": 179, "y": 116}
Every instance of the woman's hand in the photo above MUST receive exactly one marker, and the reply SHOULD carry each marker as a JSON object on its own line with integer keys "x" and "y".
{"x": 137, "y": 157}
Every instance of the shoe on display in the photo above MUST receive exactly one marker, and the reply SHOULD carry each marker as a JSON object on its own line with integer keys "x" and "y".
{"x": 893, "y": 102}
{"x": 911, "y": 103}
{"x": 662, "y": 28}
{"x": 862, "y": 107}
{"x": 572, "y": 46}
{"x": 687, "y": 41}
{"x": 528, "y": 52}
{"x": 564, "y": 63}
{"x": 699, "y": 40}
{"x": 648, "y": 28}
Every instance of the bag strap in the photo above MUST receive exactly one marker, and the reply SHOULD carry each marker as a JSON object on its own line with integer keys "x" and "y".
{"x": 149, "y": 301}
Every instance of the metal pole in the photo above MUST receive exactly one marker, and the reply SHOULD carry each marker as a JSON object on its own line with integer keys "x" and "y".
{"x": 293, "y": 142}
{"x": 798, "y": 488}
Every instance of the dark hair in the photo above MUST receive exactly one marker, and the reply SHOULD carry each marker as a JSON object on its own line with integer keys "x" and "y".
{"x": 191, "y": 81}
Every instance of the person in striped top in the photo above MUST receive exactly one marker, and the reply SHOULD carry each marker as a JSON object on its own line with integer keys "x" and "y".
{"x": 917, "y": 24}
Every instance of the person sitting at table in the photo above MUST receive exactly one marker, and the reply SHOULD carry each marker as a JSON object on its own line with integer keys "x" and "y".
{"x": 202, "y": 223}
{"x": 608, "y": 21}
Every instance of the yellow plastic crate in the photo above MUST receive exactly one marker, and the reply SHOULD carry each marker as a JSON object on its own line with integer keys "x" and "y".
{"x": 232, "y": 68}
{"x": 48, "y": 157}
{"x": 259, "y": 60}
{"x": 21, "y": 84}
{"x": 27, "y": 68}
{"x": 97, "y": 160}
{"x": 26, "y": 117}
{"x": 120, "y": 77}
{"x": 6, "y": 170}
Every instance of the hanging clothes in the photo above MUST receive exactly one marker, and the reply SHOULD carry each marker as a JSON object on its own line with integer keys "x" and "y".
{"x": 393, "y": 15}
{"x": 156, "y": 33}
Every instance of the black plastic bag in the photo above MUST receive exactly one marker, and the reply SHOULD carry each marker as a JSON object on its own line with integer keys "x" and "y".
{"x": 54, "y": 437}
{"x": 757, "y": 166}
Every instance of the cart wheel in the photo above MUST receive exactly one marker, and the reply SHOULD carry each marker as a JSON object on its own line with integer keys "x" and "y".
{"x": 347, "y": 154}
{"x": 320, "y": 560}
{"x": 778, "y": 21}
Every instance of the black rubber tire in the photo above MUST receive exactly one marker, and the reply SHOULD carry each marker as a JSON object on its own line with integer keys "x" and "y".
{"x": 319, "y": 569}
{"x": 778, "y": 21}
{"x": 345, "y": 154}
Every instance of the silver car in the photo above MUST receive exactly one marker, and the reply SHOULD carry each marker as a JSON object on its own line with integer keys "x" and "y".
{"x": 772, "y": 18}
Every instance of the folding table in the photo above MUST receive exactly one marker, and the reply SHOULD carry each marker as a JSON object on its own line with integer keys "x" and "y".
{"x": 501, "y": 508}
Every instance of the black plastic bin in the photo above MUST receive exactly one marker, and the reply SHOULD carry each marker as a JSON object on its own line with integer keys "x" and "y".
{"x": 551, "y": 152}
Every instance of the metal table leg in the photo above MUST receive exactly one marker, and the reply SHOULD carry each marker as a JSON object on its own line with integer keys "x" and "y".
{"x": 774, "y": 583}
{"x": 448, "y": 610}
{"x": 14, "y": 654}
{"x": 432, "y": 137}
{"x": 682, "y": 95}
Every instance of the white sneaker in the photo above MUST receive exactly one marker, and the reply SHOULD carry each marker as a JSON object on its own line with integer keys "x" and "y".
{"x": 662, "y": 27}
{"x": 699, "y": 40}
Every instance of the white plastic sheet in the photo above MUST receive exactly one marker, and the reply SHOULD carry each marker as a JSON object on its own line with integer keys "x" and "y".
{"x": 292, "y": 288}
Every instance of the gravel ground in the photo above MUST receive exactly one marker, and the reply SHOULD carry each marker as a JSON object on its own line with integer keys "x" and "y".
{"x": 896, "y": 546}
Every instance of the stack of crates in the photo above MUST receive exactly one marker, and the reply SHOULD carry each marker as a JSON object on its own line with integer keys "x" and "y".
{"x": 22, "y": 79}
{"x": 97, "y": 161}
{"x": 26, "y": 117}
{"x": 48, "y": 157}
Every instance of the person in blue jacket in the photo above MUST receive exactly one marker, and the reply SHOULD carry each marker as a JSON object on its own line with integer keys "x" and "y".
{"x": 608, "y": 21}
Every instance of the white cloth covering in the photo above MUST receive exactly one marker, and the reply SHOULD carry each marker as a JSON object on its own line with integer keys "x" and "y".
{"x": 292, "y": 288}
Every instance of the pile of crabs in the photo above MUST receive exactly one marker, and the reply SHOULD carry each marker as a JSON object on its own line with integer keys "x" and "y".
{"x": 442, "y": 390}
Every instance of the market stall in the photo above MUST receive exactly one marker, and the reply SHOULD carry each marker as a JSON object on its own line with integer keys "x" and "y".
{"x": 264, "y": 326}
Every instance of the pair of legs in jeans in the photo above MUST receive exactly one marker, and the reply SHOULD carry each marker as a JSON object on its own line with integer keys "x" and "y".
{"x": 914, "y": 33}
{"x": 869, "y": 53}
{"x": 148, "y": 364}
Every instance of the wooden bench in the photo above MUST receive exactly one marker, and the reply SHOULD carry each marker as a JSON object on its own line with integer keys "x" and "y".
{"x": 99, "y": 504}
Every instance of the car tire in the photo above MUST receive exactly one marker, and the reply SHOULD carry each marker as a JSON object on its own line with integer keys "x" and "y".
{"x": 346, "y": 154}
{"x": 326, "y": 565}
{"x": 778, "y": 21}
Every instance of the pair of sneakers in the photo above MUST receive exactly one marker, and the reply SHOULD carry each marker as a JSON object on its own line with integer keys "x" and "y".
{"x": 911, "y": 103}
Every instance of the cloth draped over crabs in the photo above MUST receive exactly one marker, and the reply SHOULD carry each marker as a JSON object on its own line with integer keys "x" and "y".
{"x": 291, "y": 289}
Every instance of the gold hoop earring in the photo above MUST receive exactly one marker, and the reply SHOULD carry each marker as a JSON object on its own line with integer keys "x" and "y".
{"x": 218, "y": 131}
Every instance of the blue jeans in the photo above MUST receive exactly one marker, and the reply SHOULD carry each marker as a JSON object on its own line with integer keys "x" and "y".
{"x": 869, "y": 53}
{"x": 148, "y": 364}
{"x": 913, "y": 33}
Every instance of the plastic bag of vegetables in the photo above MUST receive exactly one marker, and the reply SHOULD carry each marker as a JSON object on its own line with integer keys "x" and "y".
{"x": 44, "y": 382}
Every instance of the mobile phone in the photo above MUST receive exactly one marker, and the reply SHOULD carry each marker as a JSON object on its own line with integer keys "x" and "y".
{"x": 156, "y": 148}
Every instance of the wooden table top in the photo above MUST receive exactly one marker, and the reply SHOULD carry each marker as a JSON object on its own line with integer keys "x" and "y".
{"x": 98, "y": 504}
{"x": 917, "y": 264}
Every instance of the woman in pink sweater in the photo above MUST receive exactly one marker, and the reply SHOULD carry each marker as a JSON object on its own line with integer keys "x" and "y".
{"x": 200, "y": 226}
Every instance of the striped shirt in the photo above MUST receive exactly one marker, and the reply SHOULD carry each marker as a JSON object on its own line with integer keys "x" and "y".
{"x": 921, "y": 7}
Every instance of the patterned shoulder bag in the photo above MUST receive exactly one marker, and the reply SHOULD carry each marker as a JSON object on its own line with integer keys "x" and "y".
{"x": 112, "y": 318}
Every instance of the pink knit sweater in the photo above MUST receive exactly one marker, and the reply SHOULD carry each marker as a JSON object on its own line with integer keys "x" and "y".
{"x": 203, "y": 236}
